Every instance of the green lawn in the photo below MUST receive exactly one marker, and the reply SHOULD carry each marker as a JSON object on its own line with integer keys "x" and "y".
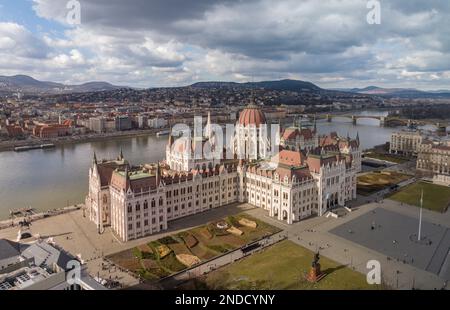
{"x": 282, "y": 266}
{"x": 392, "y": 158}
{"x": 372, "y": 182}
{"x": 435, "y": 197}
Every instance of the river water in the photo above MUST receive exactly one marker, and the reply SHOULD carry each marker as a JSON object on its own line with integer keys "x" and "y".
{"x": 54, "y": 178}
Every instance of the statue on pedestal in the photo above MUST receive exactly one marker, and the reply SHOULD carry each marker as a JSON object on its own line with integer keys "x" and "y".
{"x": 315, "y": 274}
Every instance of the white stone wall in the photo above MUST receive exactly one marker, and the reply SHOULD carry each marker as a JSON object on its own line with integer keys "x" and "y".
{"x": 300, "y": 143}
{"x": 251, "y": 142}
{"x": 137, "y": 215}
{"x": 405, "y": 142}
{"x": 335, "y": 185}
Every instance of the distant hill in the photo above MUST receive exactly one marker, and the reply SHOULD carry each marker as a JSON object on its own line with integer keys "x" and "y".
{"x": 94, "y": 86}
{"x": 23, "y": 81}
{"x": 399, "y": 92}
{"x": 216, "y": 84}
{"x": 27, "y": 84}
{"x": 282, "y": 85}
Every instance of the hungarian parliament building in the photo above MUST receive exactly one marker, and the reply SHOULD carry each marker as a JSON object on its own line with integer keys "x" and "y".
{"x": 308, "y": 175}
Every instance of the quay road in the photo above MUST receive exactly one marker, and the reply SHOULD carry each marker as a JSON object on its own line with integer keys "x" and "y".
{"x": 10, "y": 144}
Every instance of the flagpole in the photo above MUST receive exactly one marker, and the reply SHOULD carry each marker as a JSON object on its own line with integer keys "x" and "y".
{"x": 420, "y": 216}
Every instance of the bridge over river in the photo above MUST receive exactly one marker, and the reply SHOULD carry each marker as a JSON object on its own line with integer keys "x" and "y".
{"x": 384, "y": 120}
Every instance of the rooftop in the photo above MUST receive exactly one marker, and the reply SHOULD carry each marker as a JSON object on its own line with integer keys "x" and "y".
{"x": 8, "y": 249}
{"x": 137, "y": 174}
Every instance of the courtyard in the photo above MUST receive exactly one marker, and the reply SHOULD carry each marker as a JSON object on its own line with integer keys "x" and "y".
{"x": 435, "y": 197}
{"x": 173, "y": 253}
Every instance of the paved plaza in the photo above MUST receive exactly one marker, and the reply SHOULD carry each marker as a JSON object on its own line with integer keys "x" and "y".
{"x": 316, "y": 234}
{"x": 395, "y": 235}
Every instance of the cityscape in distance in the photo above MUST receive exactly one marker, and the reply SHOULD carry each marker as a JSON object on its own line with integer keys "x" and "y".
{"x": 224, "y": 152}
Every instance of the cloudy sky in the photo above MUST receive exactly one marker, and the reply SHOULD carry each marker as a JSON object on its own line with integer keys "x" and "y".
{"x": 147, "y": 43}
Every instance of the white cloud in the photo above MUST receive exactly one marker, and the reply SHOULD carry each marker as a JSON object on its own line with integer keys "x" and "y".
{"x": 18, "y": 40}
{"x": 157, "y": 42}
{"x": 74, "y": 58}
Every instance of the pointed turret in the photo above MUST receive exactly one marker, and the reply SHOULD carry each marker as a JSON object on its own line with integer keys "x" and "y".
{"x": 357, "y": 137}
{"x": 170, "y": 139}
{"x": 94, "y": 160}
{"x": 127, "y": 178}
{"x": 121, "y": 154}
{"x": 208, "y": 126}
{"x": 158, "y": 174}
{"x": 315, "y": 123}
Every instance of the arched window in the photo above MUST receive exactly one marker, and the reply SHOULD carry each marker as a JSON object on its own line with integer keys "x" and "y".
{"x": 145, "y": 205}
{"x": 153, "y": 203}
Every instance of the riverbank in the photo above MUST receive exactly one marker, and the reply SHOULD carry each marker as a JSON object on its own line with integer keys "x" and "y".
{"x": 39, "y": 216}
{"x": 10, "y": 145}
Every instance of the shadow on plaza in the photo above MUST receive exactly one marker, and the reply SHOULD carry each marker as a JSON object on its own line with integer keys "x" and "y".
{"x": 56, "y": 235}
{"x": 329, "y": 271}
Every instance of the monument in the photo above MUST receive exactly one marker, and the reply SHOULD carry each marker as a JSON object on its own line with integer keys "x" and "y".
{"x": 315, "y": 275}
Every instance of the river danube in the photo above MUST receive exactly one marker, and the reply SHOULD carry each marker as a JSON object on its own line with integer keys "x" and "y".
{"x": 54, "y": 178}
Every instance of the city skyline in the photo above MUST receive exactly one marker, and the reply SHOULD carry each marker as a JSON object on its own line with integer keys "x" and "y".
{"x": 149, "y": 44}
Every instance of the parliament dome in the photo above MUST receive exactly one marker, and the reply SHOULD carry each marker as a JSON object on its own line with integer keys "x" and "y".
{"x": 252, "y": 115}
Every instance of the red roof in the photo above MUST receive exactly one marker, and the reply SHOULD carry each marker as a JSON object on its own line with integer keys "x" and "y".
{"x": 292, "y": 133}
{"x": 315, "y": 162}
{"x": 14, "y": 130}
{"x": 252, "y": 116}
{"x": 68, "y": 122}
{"x": 290, "y": 158}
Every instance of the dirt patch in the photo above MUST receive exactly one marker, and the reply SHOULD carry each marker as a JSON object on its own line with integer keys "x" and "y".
{"x": 126, "y": 260}
{"x": 205, "y": 233}
{"x": 180, "y": 248}
{"x": 245, "y": 222}
{"x": 190, "y": 240}
{"x": 149, "y": 264}
{"x": 145, "y": 248}
{"x": 163, "y": 250}
{"x": 233, "y": 230}
{"x": 188, "y": 260}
